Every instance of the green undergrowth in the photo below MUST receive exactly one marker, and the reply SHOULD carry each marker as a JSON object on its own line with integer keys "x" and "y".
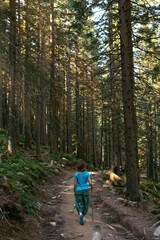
{"x": 23, "y": 177}
{"x": 150, "y": 189}
{"x": 25, "y": 173}
{"x": 3, "y": 140}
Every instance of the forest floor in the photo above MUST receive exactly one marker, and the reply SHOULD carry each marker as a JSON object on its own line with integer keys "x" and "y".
{"x": 58, "y": 218}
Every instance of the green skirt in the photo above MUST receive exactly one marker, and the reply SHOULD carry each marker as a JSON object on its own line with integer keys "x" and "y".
{"x": 82, "y": 201}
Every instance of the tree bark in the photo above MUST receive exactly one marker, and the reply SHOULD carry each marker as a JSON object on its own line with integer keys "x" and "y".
{"x": 93, "y": 134}
{"x": 27, "y": 93}
{"x": 84, "y": 125}
{"x": 158, "y": 145}
{"x": 150, "y": 148}
{"x": 38, "y": 89}
{"x": 64, "y": 123}
{"x": 113, "y": 97}
{"x": 19, "y": 83}
{"x": 106, "y": 157}
{"x": 109, "y": 140}
{"x": 149, "y": 125}
{"x": 69, "y": 119}
{"x": 5, "y": 106}
{"x": 155, "y": 143}
{"x": 1, "y": 122}
{"x": 53, "y": 93}
{"x": 102, "y": 140}
{"x": 78, "y": 109}
{"x": 62, "y": 115}
{"x": 128, "y": 97}
{"x": 43, "y": 89}
{"x": 12, "y": 73}
{"x": 88, "y": 131}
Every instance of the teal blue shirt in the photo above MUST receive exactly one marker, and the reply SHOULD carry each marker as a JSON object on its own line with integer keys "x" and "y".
{"x": 82, "y": 179}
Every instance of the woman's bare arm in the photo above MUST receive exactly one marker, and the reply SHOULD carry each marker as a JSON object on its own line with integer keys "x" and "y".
{"x": 90, "y": 183}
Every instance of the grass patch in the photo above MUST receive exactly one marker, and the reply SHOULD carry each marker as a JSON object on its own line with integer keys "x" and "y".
{"x": 3, "y": 140}
{"x": 150, "y": 188}
{"x": 28, "y": 196}
{"x": 24, "y": 174}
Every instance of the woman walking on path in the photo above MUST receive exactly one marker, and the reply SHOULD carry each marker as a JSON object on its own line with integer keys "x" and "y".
{"x": 81, "y": 191}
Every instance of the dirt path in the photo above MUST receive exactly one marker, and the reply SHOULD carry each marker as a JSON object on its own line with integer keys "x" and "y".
{"x": 59, "y": 219}
{"x": 73, "y": 229}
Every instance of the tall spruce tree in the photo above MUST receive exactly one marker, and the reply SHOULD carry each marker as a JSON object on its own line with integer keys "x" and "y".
{"x": 12, "y": 75}
{"x": 128, "y": 97}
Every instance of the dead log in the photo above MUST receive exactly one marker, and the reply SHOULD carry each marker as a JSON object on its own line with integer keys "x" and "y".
{"x": 116, "y": 180}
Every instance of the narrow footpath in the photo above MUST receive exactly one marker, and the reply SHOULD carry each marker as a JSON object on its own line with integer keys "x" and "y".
{"x": 95, "y": 221}
{"x": 59, "y": 220}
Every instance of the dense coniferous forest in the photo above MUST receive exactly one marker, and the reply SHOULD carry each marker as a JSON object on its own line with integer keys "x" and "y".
{"x": 83, "y": 78}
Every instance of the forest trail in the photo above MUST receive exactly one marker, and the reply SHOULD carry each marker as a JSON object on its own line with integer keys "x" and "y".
{"x": 72, "y": 228}
{"x": 59, "y": 220}
{"x": 109, "y": 229}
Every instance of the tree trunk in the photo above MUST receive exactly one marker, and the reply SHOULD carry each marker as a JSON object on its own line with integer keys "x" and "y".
{"x": 53, "y": 93}
{"x": 155, "y": 144}
{"x": 150, "y": 148}
{"x": 149, "y": 126}
{"x": 5, "y": 106}
{"x": 93, "y": 134}
{"x": 38, "y": 87}
{"x": 119, "y": 126}
{"x": 106, "y": 158}
{"x": 109, "y": 140}
{"x": 19, "y": 83}
{"x": 78, "y": 109}
{"x": 1, "y": 122}
{"x": 128, "y": 98}
{"x": 69, "y": 119}
{"x": 64, "y": 123}
{"x": 113, "y": 97}
{"x": 43, "y": 90}
{"x": 62, "y": 115}
{"x": 27, "y": 93}
{"x": 158, "y": 146}
{"x": 43, "y": 122}
{"x": 12, "y": 73}
{"x": 88, "y": 137}
{"x": 83, "y": 128}
{"x": 101, "y": 164}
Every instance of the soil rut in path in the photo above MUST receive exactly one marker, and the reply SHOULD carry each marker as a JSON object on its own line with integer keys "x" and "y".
{"x": 72, "y": 228}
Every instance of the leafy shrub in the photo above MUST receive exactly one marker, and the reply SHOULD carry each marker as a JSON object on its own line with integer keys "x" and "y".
{"x": 3, "y": 140}
{"x": 23, "y": 174}
{"x": 67, "y": 156}
{"x": 3, "y": 131}
{"x": 28, "y": 200}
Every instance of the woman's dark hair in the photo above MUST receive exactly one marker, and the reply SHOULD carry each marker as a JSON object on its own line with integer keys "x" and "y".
{"x": 81, "y": 166}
